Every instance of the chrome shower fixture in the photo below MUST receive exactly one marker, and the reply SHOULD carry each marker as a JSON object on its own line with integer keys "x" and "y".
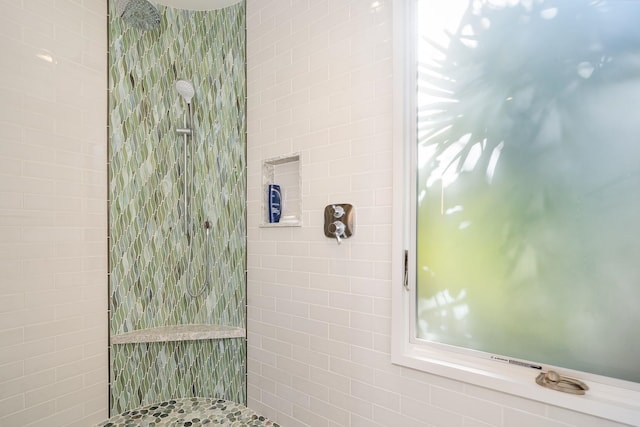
{"x": 185, "y": 89}
{"x": 139, "y": 14}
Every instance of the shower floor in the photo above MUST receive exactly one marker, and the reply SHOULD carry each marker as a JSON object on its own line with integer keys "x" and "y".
{"x": 190, "y": 412}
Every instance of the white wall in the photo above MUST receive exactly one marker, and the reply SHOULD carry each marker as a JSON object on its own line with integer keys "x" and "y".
{"x": 319, "y": 83}
{"x": 53, "y": 221}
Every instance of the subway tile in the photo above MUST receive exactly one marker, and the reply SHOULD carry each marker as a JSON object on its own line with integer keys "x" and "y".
{"x": 295, "y": 279}
{"x": 44, "y": 298}
{"x": 296, "y": 339}
{"x": 279, "y": 376}
{"x": 36, "y": 362}
{"x": 353, "y": 303}
{"x": 261, "y": 303}
{"x": 313, "y": 77}
{"x": 335, "y": 381}
{"x": 351, "y": 267}
{"x": 10, "y": 166}
{"x": 11, "y": 371}
{"x": 387, "y": 417}
{"x": 477, "y": 409}
{"x": 310, "y": 296}
{"x": 314, "y": 328}
{"x": 330, "y": 282}
{"x": 26, "y": 318}
{"x": 371, "y": 358}
{"x": 274, "y": 262}
{"x": 11, "y": 302}
{"x": 377, "y": 396}
{"x": 431, "y": 415}
{"x": 258, "y": 357}
{"x": 367, "y": 322}
{"x": 75, "y": 399}
{"x": 79, "y": 369}
{"x": 36, "y": 147}
{"x": 351, "y": 336}
{"x": 507, "y": 400}
{"x": 293, "y": 130}
{"x": 351, "y": 165}
{"x": 294, "y": 308}
{"x": 514, "y": 417}
{"x": 276, "y": 290}
{"x": 347, "y": 47}
{"x": 52, "y": 391}
{"x": 28, "y": 185}
{"x": 351, "y": 130}
{"x": 292, "y": 100}
{"x": 371, "y": 252}
{"x": 577, "y": 419}
{"x": 292, "y": 249}
{"x": 406, "y": 386}
{"x": 311, "y": 265}
{"x": 276, "y": 346}
{"x": 279, "y": 406}
{"x": 313, "y": 358}
{"x": 382, "y": 307}
{"x": 22, "y": 384}
{"x": 470, "y": 422}
{"x": 332, "y": 412}
{"x": 324, "y": 345}
{"x": 383, "y": 271}
{"x": 329, "y": 315}
{"x": 352, "y": 370}
{"x": 29, "y": 415}
{"x": 349, "y": 402}
{"x": 293, "y": 396}
{"x": 309, "y": 418}
{"x": 279, "y": 320}
{"x": 12, "y": 404}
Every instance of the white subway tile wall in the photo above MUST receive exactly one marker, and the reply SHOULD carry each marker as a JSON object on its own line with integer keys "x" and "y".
{"x": 320, "y": 83}
{"x": 53, "y": 217}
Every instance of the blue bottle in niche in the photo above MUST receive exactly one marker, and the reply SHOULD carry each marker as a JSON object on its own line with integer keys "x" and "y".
{"x": 275, "y": 203}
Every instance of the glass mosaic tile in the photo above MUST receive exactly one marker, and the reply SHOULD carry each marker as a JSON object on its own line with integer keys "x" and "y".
{"x": 149, "y": 247}
{"x": 150, "y": 372}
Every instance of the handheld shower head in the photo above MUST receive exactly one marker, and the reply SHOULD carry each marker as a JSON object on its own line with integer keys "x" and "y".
{"x": 185, "y": 89}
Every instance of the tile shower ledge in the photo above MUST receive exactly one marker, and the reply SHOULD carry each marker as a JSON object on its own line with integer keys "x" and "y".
{"x": 178, "y": 333}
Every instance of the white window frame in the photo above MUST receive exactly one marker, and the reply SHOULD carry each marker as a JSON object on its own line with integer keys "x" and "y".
{"x": 608, "y": 400}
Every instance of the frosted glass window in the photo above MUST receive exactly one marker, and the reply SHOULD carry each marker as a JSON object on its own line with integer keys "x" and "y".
{"x": 528, "y": 180}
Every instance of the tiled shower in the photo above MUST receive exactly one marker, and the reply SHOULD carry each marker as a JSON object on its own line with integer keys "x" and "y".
{"x": 153, "y": 254}
{"x": 319, "y": 84}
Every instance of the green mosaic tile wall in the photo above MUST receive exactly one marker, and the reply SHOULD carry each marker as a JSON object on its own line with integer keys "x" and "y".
{"x": 155, "y": 372}
{"x": 148, "y": 246}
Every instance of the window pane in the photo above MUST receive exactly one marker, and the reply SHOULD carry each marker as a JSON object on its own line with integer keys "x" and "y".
{"x": 528, "y": 192}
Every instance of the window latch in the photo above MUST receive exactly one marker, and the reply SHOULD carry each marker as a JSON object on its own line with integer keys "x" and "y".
{"x": 406, "y": 270}
{"x": 555, "y": 381}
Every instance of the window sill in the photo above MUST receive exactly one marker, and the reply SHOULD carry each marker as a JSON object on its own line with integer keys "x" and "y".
{"x": 601, "y": 400}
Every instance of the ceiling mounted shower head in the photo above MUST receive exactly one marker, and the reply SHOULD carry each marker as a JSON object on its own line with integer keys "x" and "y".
{"x": 139, "y": 14}
{"x": 185, "y": 89}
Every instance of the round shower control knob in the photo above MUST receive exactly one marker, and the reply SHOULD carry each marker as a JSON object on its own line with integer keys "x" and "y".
{"x": 338, "y": 211}
{"x": 337, "y": 228}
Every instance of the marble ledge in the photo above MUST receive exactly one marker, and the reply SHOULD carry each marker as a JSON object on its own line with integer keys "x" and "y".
{"x": 178, "y": 333}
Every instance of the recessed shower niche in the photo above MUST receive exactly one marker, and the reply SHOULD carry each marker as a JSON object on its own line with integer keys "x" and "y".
{"x": 283, "y": 171}
{"x": 177, "y": 185}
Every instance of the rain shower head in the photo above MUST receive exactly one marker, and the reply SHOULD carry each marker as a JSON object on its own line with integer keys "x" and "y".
{"x": 139, "y": 14}
{"x": 185, "y": 89}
